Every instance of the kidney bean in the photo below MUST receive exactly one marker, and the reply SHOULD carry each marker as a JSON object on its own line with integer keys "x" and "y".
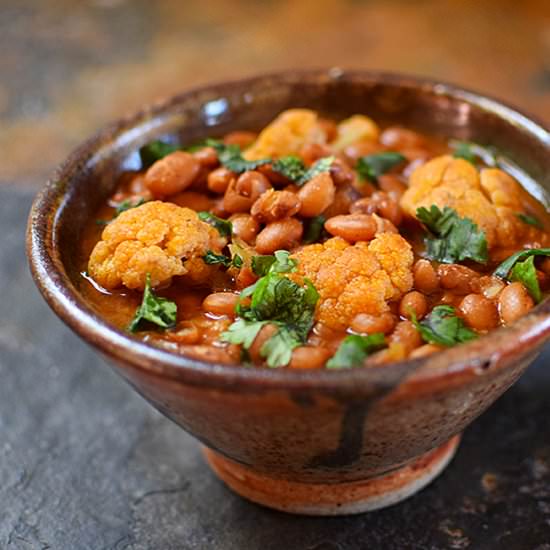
{"x": 221, "y": 303}
{"x": 514, "y": 302}
{"x": 415, "y": 302}
{"x": 275, "y": 205}
{"x": 352, "y": 227}
{"x": 426, "y": 279}
{"x": 316, "y": 195}
{"x": 479, "y": 312}
{"x": 172, "y": 174}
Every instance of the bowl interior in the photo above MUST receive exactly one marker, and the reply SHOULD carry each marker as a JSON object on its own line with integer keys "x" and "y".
{"x": 90, "y": 174}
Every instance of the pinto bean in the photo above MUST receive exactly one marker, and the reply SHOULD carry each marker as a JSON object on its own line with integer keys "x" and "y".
{"x": 426, "y": 279}
{"x": 172, "y": 174}
{"x": 479, "y": 312}
{"x": 275, "y": 205}
{"x": 309, "y": 357}
{"x": 413, "y": 301}
{"x": 458, "y": 278}
{"x": 392, "y": 185}
{"x": 281, "y": 234}
{"x": 352, "y": 227}
{"x": 514, "y": 302}
{"x": 207, "y": 157}
{"x": 365, "y": 323}
{"x": 219, "y": 179}
{"x": 341, "y": 173}
{"x": 243, "y": 192}
{"x": 245, "y": 227}
{"x": 266, "y": 332}
{"x": 316, "y": 195}
{"x": 405, "y": 333}
{"x": 221, "y": 303}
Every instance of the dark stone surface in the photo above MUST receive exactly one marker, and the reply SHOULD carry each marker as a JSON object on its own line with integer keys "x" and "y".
{"x": 85, "y": 463}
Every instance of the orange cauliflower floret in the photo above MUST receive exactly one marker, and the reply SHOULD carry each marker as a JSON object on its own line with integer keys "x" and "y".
{"x": 490, "y": 198}
{"x": 159, "y": 238}
{"x": 359, "y": 278}
{"x": 286, "y": 135}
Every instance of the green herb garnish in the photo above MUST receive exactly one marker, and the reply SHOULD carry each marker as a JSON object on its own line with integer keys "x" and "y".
{"x": 224, "y": 227}
{"x": 463, "y": 150}
{"x": 443, "y": 327}
{"x": 472, "y": 152}
{"x": 212, "y": 258}
{"x": 320, "y": 166}
{"x": 154, "y": 151}
{"x": 526, "y": 273}
{"x": 314, "y": 229}
{"x": 504, "y": 268}
{"x": 354, "y": 349}
{"x": 231, "y": 157}
{"x": 153, "y": 309}
{"x": 530, "y": 220}
{"x": 276, "y": 300}
{"x": 370, "y": 167}
{"x": 294, "y": 169}
{"x": 453, "y": 239}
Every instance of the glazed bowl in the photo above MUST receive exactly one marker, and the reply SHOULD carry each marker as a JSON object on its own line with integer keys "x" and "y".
{"x": 315, "y": 442}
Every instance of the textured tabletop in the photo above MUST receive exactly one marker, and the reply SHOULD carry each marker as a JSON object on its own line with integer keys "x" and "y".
{"x": 85, "y": 463}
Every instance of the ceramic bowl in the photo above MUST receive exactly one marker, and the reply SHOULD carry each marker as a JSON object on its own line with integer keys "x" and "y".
{"x": 316, "y": 442}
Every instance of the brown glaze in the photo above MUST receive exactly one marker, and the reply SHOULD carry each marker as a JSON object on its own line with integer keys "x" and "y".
{"x": 321, "y": 426}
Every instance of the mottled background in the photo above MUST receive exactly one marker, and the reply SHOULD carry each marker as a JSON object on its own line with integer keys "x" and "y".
{"x": 84, "y": 462}
{"x": 67, "y": 67}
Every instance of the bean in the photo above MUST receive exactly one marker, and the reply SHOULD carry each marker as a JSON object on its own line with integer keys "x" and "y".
{"x": 245, "y": 277}
{"x": 281, "y": 234}
{"x": 457, "y": 278}
{"x": 316, "y": 195}
{"x": 383, "y": 225}
{"x": 392, "y": 185}
{"x": 241, "y": 138}
{"x": 489, "y": 286}
{"x": 276, "y": 178}
{"x": 363, "y": 206}
{"x": 221, "y": 303}
{"x": 387, "y": 207}
{"x": 245, "y": 227}
{"x": 309, "y": 357}
{"x": 415, "y": 302}
{"x": 311, "y": 152}
{"x": 405, "y": 334}
{"x": 365, "y": 323}
{"x": 353, "y": 152}
{"x": 226, "y": 355}
{"x": 275, "y": 205}
{"x": 424, "y": 351}
{"x": 352, "y": 227}
{"x": 426, "y": 279}
{"x": 266, "y": 332}
{"x": 207, "y": 157}
{"x": 341, "y": 173}
{"x": 344, "y": 197}
{"x": 479, "y": 312}
{"x": 172, "y": 174}
{"x": 187, "y": 332}
{"x": 243, "y": 192}
{"x": 192, "y": 199}
{"x": 396, "y": 137}
{"x": 514, "y": 302}
{"x": 219, "y": 179}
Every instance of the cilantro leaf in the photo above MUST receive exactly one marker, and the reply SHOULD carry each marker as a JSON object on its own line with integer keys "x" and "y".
{"x": 154, "y": 151}
{"x": 463, "y": 150}
{"x": 159, "y": 311}
{"x": 370, "y": 167}
{"x": 320, "y": 166}
{"x": 443, "y": 327}
{"x": 275, "y": 299}
{"x": 224, "y": 227}
{"x": 231, "y": 157}
{"x": 314, "y": 229}
{"x": 453, "y": 238}
{"x": 261, "y": 264}
{"x": 291, "y": 167}
{"x": 354, "y": 349}
{"x": 530, "y": 220}
{"x": 212, "y": 258}
{"x": 505, "y": 267}
{"x": 526, "y": 273}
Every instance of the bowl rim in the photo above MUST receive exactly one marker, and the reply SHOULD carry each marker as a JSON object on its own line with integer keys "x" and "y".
{"x": 471, "y": 359}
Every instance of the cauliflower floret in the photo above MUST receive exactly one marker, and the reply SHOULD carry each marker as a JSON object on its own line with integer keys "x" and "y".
{"x": 359, "y": 278}
{"x": 286, "y": 135}
{"x": 355, "y": 128}
{"x": 492, "y": 198}
{"x": 159, "y": 238}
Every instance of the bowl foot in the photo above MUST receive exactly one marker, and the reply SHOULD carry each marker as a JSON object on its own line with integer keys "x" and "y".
{"x": 333, "y": 499}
